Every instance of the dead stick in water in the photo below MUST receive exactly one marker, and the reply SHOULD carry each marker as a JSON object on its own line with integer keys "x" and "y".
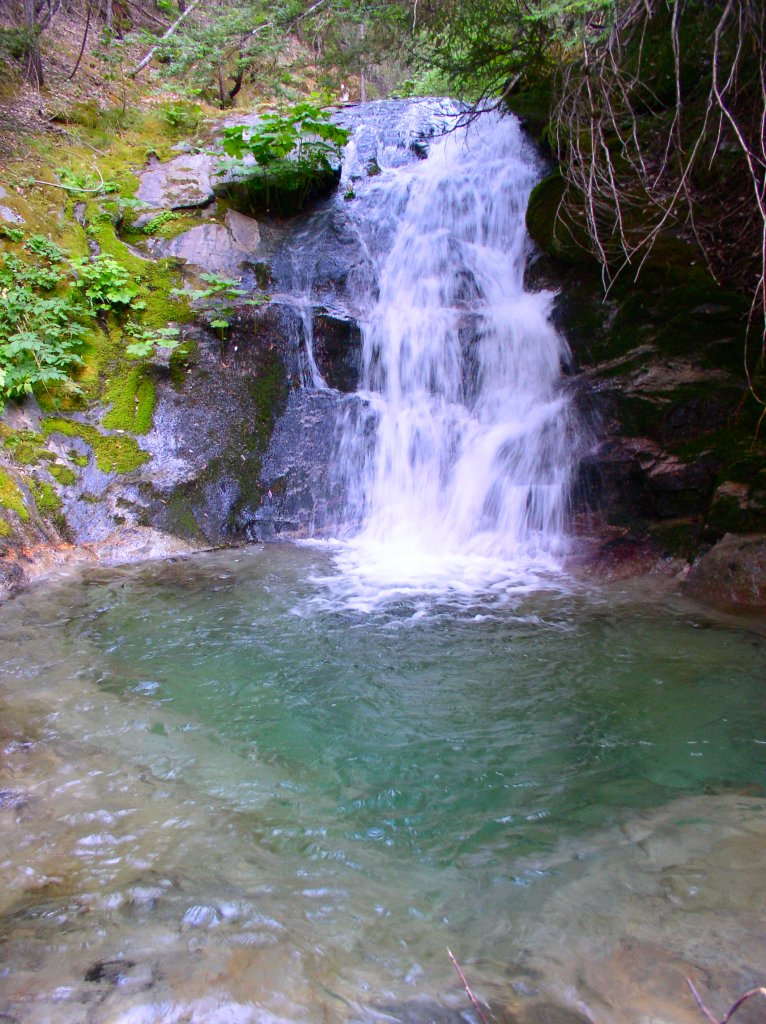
{"x": 467, "y": 987}
{"x": 732, "y": 1009}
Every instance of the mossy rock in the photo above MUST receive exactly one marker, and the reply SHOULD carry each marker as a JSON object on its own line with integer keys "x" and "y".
{"x": 63, "y": 475}
{"x": 533, "y": 108}
{"x": 677, "y": 538}
{"x": 552, "y": 225}
{"x": 270, "y": 390}
{"x": 114, "y": 453}
{"x": 85, "y": 113}
{"x": 132, "y": 397}
{"x": 26, "y": 447}
{"x": 47, "y": 500}
{"x": 736, "y": 508}
{"x": 12, "y": 497}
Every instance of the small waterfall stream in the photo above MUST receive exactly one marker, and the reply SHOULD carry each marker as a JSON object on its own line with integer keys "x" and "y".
{"x": 455, "y": 454}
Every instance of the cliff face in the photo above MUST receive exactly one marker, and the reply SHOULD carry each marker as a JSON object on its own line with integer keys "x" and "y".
{"x": 667, "y": 353}
{"x": 677, "y": 461}
{"x": 219, "y": 442}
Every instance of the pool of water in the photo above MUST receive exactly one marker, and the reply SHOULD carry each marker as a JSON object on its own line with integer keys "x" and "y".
{"x": 227, "y": 796}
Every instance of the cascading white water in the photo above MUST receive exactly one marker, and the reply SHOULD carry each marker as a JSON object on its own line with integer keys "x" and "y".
{"x": 457, "y": 450}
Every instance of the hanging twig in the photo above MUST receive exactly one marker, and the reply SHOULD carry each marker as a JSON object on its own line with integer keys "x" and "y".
{"x": 467, "y": 987}
{"x": 732, "y": 1009}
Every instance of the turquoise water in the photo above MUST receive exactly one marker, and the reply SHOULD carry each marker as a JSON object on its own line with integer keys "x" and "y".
{"x": 389, "y": 782}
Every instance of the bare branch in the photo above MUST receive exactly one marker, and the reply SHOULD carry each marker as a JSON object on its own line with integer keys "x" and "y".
{"x": 732, "y": 1009}
{"x": 467, "y": 987}
{"x": 176, "y": 24}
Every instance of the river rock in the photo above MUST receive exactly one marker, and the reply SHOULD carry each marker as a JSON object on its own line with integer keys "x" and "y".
{"x": 6, "y": 213}
{"x": 139, "y": 543}
{"x": 183, "y": 182}
{"x": 733, "y": 571}
{"x": 12, "y": 578}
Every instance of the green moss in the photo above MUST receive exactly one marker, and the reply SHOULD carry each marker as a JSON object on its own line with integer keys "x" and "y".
{"x": 25, "y": 454}
{"x": 46, "y": 499}
{"x": 26, "y": 447}
{"x": 114, "y": 453}
{"x": 77, "y": 459}
{"x": 86, "y": 114}
{"x": 132, "y": 397}
{"x": 49, "y": 211}
{"x": 63, "y": 474}
{"x": 6, "y": 529}
{"x": 552, "y": 226}
{"x": 181, "y": 516}
{"x": 154, "y": 225}
{"x": 269, "y": 389}
{"x": 533, "y": 107}
{"x": 11, "y": 496}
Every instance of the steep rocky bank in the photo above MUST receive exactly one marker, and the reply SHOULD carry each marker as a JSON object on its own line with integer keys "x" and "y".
{"x": 676, "y": 477}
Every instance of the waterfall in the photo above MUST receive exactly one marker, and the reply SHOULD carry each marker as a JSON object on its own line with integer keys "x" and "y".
{"x": 454, "y": 456}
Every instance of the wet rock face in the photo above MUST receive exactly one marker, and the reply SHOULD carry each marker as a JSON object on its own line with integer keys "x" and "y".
{"x": 211, "y": 430}
{"x": 657, "y": 368}
{"x": 12, "y": 578}
{"x": 337, "y": 350}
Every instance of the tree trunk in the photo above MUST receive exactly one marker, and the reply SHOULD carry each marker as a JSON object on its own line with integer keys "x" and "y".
{"x": 34, "y": 63}
{"x": 221, "y": 89}
{"x": 238, "y": 80}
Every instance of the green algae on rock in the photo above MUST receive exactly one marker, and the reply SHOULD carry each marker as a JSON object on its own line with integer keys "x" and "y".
{"x": 11, "y": 496}
{"x": 114, "y": 453}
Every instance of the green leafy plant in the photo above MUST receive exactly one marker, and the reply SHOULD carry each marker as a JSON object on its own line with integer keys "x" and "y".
{"x": 39, "y": 245}
{"x": 106, "y": 284}
{"x": 46, "y": 313}
{"x": 217, "y": 301}
{"x": 41, "y": 331}
{"x": 81, "y": 182}
{"x": 12, "y": 234}
{"x": 294, "y": 152}
{"x": 183, "y": 117}
{"x": 146, "y": 340}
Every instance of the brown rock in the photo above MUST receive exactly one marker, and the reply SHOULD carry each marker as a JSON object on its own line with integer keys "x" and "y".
{"x": 732, "y": 572}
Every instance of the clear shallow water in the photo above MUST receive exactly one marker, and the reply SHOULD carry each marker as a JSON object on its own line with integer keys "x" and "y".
{"x": 263, "y": 805}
